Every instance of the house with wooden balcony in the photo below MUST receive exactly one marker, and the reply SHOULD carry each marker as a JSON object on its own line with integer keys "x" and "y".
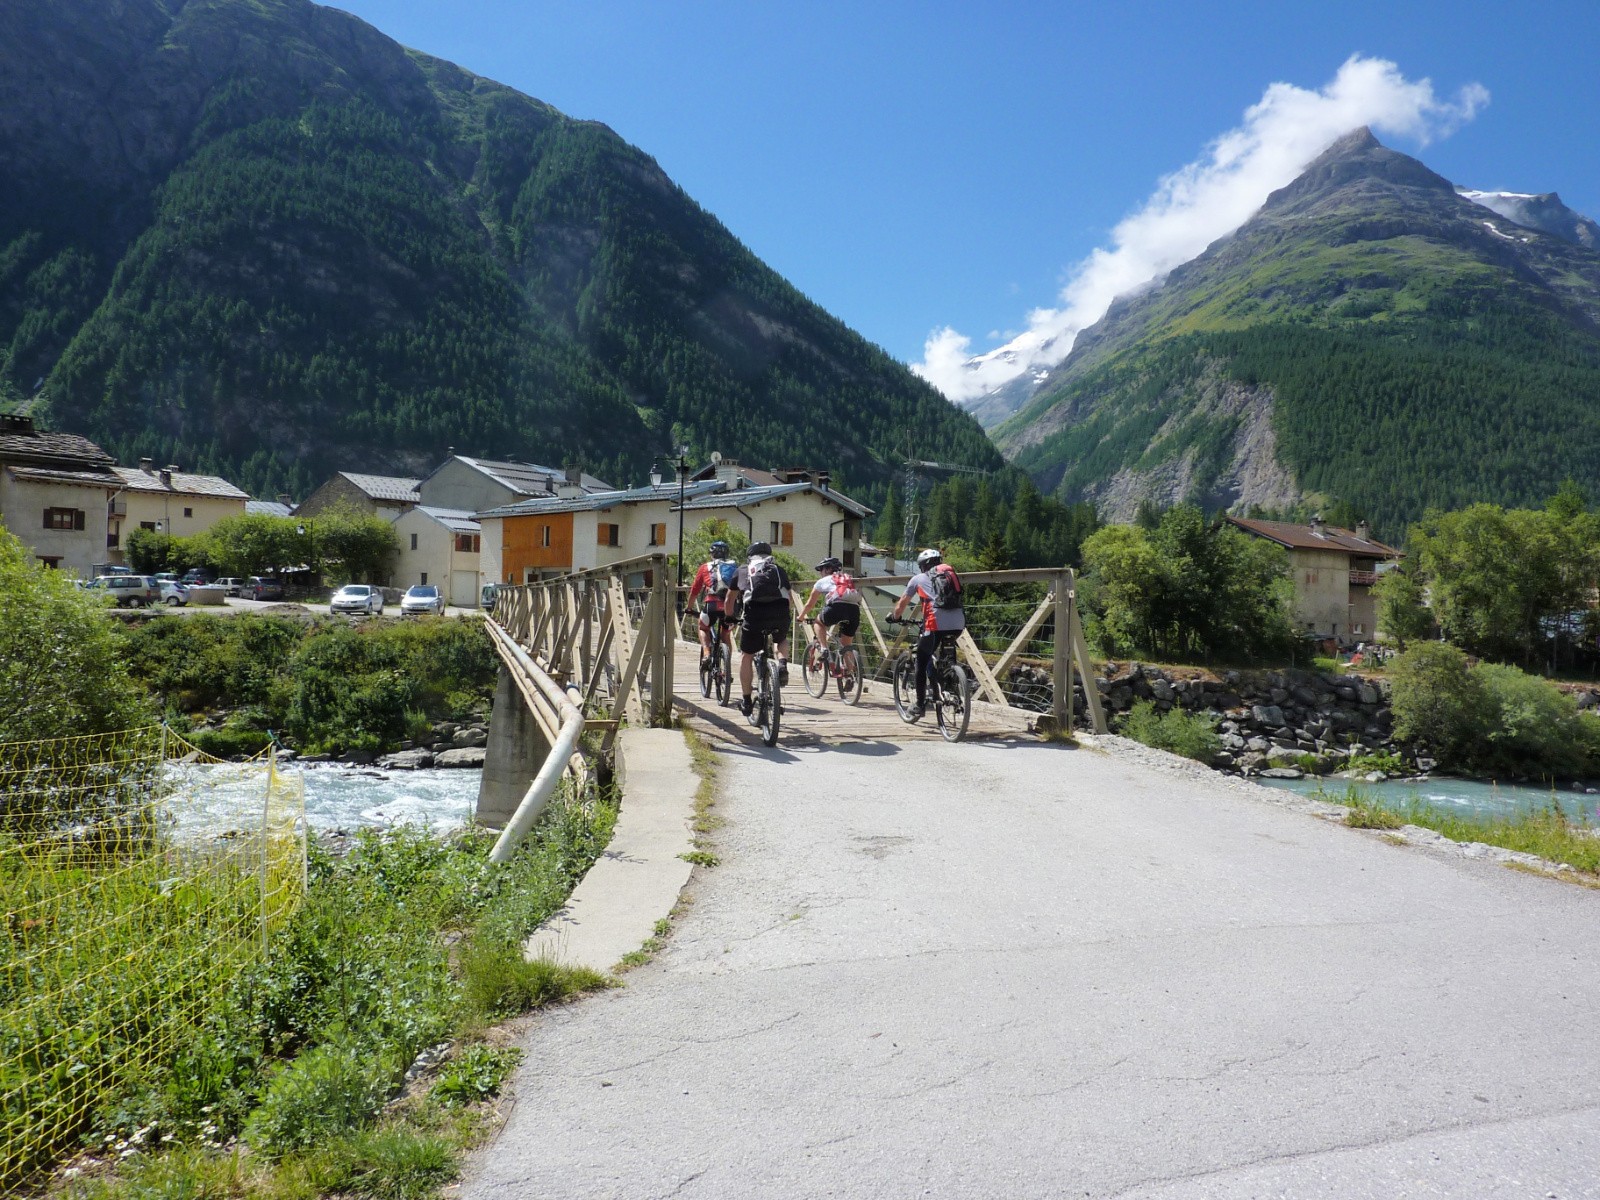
{"x": 1333, "y": 570}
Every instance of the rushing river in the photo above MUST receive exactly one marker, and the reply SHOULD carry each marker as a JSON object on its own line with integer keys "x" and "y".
{"x": 337, "y": 798}
{"x": 1456, "y": 795}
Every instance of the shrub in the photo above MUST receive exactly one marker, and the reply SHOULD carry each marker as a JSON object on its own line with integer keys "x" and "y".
{"x": 1437, "y": 702}
{"x": 1193, "y": 735}
{"x": 1534, "y": 727}
{"x": 475, "y": 1074}
{"x": 328, "y": 1090}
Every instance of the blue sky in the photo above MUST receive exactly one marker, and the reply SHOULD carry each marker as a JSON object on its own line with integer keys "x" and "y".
{"x": 916, "y": 167}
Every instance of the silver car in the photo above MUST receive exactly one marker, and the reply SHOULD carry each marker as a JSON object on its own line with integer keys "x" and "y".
{"x": 357, "y": 598}
{"x": 173, "y": 593}
{"x": 424, "y": 598}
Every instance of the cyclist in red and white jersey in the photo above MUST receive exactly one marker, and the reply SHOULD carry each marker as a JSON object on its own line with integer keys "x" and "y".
{"x": 841, "y": 602}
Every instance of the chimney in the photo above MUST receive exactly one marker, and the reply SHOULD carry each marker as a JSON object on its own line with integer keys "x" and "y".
{"x": 1363, "y": 531}
{"x": 1316, "y": 525}
{"x": 571, "y": 482}
{"x": 166, "y": 474}
{"x": 147, "y": 465}
{"x": 450, "y": 452}
{"x": 728, "y": 472}
{"x": 283, "y": 499}
{"x": 17, "y": 425}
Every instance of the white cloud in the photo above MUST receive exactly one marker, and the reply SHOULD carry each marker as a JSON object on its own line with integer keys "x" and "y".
{"x": 1200, "y": 202}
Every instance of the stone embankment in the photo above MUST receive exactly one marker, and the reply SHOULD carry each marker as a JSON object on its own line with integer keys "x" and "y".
{"x": 1285, "y": 722}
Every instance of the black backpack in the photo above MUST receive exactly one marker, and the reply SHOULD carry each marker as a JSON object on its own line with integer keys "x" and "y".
{"x": 763, "y": 581}
{"x": 946, "y": 586}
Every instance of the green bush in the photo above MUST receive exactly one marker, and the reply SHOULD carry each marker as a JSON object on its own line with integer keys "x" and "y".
{"x": 1534, "y": 727}
{"x": 1438, "y": 703}
{"x": 231, "y": 741}
{"x": 1193, "y": 735}
{"x": 330, "y": 1089}
{"x": 475, "y": 1074}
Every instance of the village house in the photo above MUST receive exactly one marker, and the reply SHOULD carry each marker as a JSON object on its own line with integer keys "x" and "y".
{"x": 1333, "y": 571}
{"x": 476, "y": 484}
{"x": 439, "y": 546}
{"x": 386, "y": 496}
{"x": 176, "y": 502}
{"x": 796, "y": 511}
{"x": 56, "y": 490}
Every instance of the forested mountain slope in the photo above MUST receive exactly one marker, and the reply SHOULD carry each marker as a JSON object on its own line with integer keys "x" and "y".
{"x": 1369, "y": 336}
{"x": 258, "y": 237}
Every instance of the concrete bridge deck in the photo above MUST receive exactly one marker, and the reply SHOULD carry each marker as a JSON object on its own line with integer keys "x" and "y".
{"x": 810, "y": 721}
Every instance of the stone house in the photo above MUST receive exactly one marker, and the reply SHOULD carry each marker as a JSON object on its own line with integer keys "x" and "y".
{"x": 56, "y": 491}
{"x": 476, "y": 484}
{"x": 178, "y": 502}
{"x": 1333, "y": 570}
{"x": 386, "y": 496}
{"x": 439, "y": 546}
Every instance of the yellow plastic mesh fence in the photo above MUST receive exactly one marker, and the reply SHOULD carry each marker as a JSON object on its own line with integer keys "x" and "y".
{"x": 138, "y": 875}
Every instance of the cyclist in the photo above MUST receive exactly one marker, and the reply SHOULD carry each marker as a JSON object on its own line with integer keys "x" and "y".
{"x": 713, "y": 580}
{"x": 924, "y": 588}
{"x": 841, "y": 602}
{"x": 764, "y": 607}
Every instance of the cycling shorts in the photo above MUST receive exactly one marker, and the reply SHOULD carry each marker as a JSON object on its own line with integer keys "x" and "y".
{"x": 846, "y": 618}
{"x": 758, "y": 620}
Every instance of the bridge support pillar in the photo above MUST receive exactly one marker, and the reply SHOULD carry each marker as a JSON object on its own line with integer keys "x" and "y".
{"x": 517, "y": 749}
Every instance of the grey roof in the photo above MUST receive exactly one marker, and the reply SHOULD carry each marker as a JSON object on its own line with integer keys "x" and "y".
{"x": 267, "y": 508}
{"x": 598, "y": 500}
{"x": 454, "y": 519}
{"x": 386, "y": 487}
{"x": 532, "y": 479}
{"x": 42, "y": 448}
{"x": 183, "y": 484}
{"x": 106, "y": 479}
{"x": 741, "y": 497}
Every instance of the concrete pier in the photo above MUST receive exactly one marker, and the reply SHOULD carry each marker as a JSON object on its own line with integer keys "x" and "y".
{"x": 517, "y": 749}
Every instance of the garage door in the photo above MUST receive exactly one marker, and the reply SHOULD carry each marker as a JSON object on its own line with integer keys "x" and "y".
{"x": 464, "y": 589}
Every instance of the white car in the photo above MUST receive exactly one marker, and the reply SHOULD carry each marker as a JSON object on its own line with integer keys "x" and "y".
{"x": 424, "y": 598}
{"x": 357, "y": 598}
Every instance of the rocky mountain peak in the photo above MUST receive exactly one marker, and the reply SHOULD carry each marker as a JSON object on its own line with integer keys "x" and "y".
{"x": 1356, "y": 160}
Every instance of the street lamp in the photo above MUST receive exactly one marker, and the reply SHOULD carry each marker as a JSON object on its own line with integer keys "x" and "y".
{"x": 679, "y": 460}
{"x": 307, "y": 529}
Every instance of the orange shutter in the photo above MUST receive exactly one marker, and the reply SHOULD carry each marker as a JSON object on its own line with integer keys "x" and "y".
{"x": 601, "y": 532}
{"x": 788, "y": 533}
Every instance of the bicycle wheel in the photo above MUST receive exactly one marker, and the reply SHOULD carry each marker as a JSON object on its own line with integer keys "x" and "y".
{"x": 952, "y": 708}
{"x": 723, "y": 672}
{"x": 905, "y": 685}
{"x": 771, "y": 703}
{"x": 850, "y": 675}
{"x": 815, "y": 669}
{"x": 708, "y": 672}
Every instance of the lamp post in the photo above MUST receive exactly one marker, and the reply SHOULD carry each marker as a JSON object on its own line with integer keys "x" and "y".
{"x": 308, "y": 530}
{"x": 679, "y": 459}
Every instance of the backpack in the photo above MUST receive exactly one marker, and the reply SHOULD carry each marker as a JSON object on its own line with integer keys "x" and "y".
{"x": 946, "y": 586}
{"x": 763, "y": 581}
{"x": 723, "y": 572}
{"x": 844, "y": 588}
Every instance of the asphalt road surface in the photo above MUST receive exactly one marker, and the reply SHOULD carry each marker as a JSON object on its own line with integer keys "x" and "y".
{"x": 1018, "y": 970}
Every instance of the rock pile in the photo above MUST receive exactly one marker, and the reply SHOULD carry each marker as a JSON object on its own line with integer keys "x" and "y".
{"x": 447, "y": 744}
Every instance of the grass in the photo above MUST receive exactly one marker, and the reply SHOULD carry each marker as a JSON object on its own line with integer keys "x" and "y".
{"x": 287, "y": 1091}
{"x": 1546, "y": 833}
{"x": 1193, "y": 735}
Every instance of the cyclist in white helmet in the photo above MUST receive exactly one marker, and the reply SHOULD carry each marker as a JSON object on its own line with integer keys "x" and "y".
{"x": 936, "y": 620}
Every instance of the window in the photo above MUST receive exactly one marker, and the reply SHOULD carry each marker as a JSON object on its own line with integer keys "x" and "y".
{"x": 782, "y": 533}
{"x": 546, "y": 538}
{"x": 424, "y": 577}
{"x": 413, "y": 541}
{"x": 63, "y": 518}
{"x": 609, "y": 535}
{"x": 150, "y": 525}
{"x": 53, "y": 563}
{"x": 658, "y": 534}
{"x": 467, "y": 543}
{"x": 188, "y": 512}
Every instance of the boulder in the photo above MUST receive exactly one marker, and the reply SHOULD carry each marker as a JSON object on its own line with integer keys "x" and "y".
{"x": 1282, "y": 773}
{"x": 1366, "y": 693}
{"x": 469, "y": 737}
{"x": 1269, "y": 715}
{"x": 407, "y": 760}
{"x": 464, "y": 756}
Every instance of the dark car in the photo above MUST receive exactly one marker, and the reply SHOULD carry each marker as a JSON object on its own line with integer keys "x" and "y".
{"x": 262, "y": 587}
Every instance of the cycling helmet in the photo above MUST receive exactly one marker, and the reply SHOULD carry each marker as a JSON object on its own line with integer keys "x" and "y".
{"x": 719, "y": 549}
{"x": 758, "y": 549}
{"x": 929, "y": 558}
{"x": 830, "y": 564}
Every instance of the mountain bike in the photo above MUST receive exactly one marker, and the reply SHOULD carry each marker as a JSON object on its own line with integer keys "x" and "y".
{"x": 949, "y": 686}
{"x": 716, "y": 668}
{"x": 767, "y": 710}
{"x": 834, "y": 661}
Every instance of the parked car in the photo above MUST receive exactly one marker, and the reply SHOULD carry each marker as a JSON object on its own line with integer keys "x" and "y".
{"x": 129, "y": 591}
{"x": 165, "y": 577}
{"x": 230, "y": 585}
{"x": 357, "y": 597}
{"x": 487, "y": 596}
{"x": 173, "y": 593}
{"x": 262, "y": 587}
{"x": 196, "y": 577}
{"x": 424, "y": 598}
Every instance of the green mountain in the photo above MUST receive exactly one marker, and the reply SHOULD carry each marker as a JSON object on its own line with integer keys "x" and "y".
{"x": 258, "y": 237}
{"x": 1370, "y": 336}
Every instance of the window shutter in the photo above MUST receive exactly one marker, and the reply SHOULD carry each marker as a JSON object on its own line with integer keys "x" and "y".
{"x": 788, "y": 533}
{"x": 77, "y": 520}
{"x": 47, "y": 513}
{"x": 603, "y": 532}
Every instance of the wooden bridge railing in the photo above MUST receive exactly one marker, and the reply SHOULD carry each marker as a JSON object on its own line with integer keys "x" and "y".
{"x": 591, "y": 630}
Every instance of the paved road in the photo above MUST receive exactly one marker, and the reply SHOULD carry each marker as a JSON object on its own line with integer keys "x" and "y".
{"x": 1018, "y": 970}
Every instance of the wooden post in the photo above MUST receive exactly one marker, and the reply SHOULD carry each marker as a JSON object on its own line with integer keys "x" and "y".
{"x": 1061, "y": 659}
{"x": 1080, "y": 652}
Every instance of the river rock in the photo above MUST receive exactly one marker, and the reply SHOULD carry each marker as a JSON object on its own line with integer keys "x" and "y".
{"x": 469, "y": 737}
{"x": 462, "y": 756}
{"x": 1367, "y": 693}
{"x": 1282, "y": 773}
{"x": 407, "y": 760}
{"x": 1269, "y": 715}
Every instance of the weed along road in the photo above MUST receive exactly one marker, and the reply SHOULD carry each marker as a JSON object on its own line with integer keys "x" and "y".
{"x": 1007, "y": 969}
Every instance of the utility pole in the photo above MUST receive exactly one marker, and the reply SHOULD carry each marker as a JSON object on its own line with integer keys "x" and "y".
{"x": 914, "y": 469}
